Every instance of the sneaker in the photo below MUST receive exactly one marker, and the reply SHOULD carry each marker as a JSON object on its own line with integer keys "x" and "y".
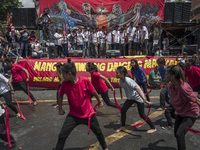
{"x": 160, "y": 109}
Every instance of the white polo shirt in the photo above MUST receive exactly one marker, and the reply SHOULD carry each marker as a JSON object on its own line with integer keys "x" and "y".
{"x": 4, "y": 87}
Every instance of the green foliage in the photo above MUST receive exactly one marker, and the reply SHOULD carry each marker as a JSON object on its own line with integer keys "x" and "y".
{"x": 7, "y": 6}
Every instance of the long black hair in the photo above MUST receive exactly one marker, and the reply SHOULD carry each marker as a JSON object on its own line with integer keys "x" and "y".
{"x": 92, "y": 66}
{"x": 123, "y": 70}
{"x": 136, "y": 64}
{"x": 69, "y": 67}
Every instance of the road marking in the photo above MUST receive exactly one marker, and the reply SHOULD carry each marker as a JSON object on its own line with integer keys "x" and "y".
{"x": 45, "y": 101}
{"x": 116, "y": 136}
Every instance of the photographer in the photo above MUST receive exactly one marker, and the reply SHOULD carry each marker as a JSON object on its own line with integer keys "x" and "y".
{"x": 43, "y": 23}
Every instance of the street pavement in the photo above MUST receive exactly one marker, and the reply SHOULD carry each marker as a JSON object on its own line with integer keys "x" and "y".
{"x": 42, "y": 125}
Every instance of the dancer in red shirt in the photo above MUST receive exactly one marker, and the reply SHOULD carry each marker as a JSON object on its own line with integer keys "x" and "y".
{"x": 17, "y": 78}
{"x": 78, "y": 90}
{"x": 98, "y": 83}
{"x": 184, "y": 101}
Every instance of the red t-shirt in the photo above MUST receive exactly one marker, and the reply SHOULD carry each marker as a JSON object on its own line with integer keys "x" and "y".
{"x": 184, "y": 100}
{"x": 193, "y": 76}
{"x": 79, "y": 97}
{"x": 98, "y": 83}
{"x": 16, "y": 73}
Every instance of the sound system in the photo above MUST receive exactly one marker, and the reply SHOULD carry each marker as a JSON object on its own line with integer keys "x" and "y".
{"x": 52, "y": 51}
{"x": 24, "y": 16}
{"x": 190, "y": 49}
{"x": 177, "y": 12}
{"x": 112, "y": 53}
{"x": 75, "y": 53}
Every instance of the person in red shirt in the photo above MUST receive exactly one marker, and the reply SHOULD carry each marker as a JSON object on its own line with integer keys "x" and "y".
{"x": 193, "y": 75}
{"x": 98, "y": 83}
{"x": 17, "y": 78}
{"x": 78, "y": 90}
{"x": 184, "y": 101}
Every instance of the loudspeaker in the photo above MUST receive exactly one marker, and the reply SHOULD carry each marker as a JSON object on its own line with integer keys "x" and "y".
{"x": 52, "y": 51}
{"x": 169, "y": 13}
{"x": 24, "y": 16}
{"x": 190, "y": 49}
{"x": 186, "y": 12}
{"x": 112, "y": 53}
{"x": 177, "y": 12}
{"x": 75, "y": 53}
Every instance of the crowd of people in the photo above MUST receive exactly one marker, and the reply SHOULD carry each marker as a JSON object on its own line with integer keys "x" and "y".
{"x": 130, "y": 40}
{"x": 181, "y": 86}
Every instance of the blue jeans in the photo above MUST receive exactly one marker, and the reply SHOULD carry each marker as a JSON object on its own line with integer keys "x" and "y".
{"x": 38, "y": 55}
{"x": 116, "y": 46}
{"x": 24, "y": 45}
{"x": 86, "y": 49}
{"x": 15, "y": 53}
{"x": 65, "y": 49}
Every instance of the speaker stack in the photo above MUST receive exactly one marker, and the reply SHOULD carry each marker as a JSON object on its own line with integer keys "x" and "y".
{"x": 24, "y": 16}
{"x": 177, "y": 12}
{"x": 52, "y": 51}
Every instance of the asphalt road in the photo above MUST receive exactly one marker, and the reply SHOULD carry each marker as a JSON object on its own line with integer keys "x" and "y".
{"x": 42, "y": 125}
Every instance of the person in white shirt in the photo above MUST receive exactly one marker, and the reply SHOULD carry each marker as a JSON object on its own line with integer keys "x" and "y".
{"x": 36, "y": 49}
{"x": 80, "y": 38}
{"x": 58, "y": 40}
{"x": 86, "y": 48}
{"x": 136, "y": 40}
{"x": 94, "y": 42}
{"x": 122, "y": 36}
{"x": 6, "y": 90}
{"x": 65, "y": 41}
{"x": 116, "y": 39}
{"x": 102, "y": 42}
{"x": 130, "y": 33}
{"x": 144, "y": 38}
{"x": 109, "y": 39}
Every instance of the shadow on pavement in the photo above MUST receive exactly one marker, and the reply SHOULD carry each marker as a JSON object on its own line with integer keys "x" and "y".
{"x": 153, "y": 146}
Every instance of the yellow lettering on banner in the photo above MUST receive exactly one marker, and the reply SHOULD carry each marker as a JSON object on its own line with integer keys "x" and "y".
{"x": 109, "y": 66}
{"x": 47, "y": 79}
{"x": 147, "y": 64}
{"x": 123, "y": 64}
{"x": 82, "y": 67}
{"x": 171, "y": 62}
{"x": 115, "y": 66}
{"x": 128, "y": 67}
{"x": 102, "y": 67}
{"x": 37, "y": 66}
{"x": 114, "y": 80}
{"x": 176, "y": 62}
{"x": 89, "y": 78}
{"x": 43, "y": 68}
{"x": 154, "y": 63}
{"x": 54, "y": 67}
{"x": 38, "y": 79}
{"x": 166, "y": 63}
{"x": 140, "y": 63}
{"x": 56, "y": 79}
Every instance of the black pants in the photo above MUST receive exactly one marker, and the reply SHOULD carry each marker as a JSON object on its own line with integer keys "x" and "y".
{"x": 144, "y": 86}
{"x": 164, "y": 97}
{"x": 3, "y": 134}
{"x": 106, "y": 99}
{"x": 180, "y": 130}
{"x": 169, "y": 114}
{"x": 71, "y": 122}
{"x": 8, "y": 98}
{"x": 140, "y": 107}
{"x": 22, "y": 86}
{"x": 58, "y": 92}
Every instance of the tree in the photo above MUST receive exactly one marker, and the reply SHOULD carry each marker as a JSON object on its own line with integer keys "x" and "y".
{"x": 7, "y": 6}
